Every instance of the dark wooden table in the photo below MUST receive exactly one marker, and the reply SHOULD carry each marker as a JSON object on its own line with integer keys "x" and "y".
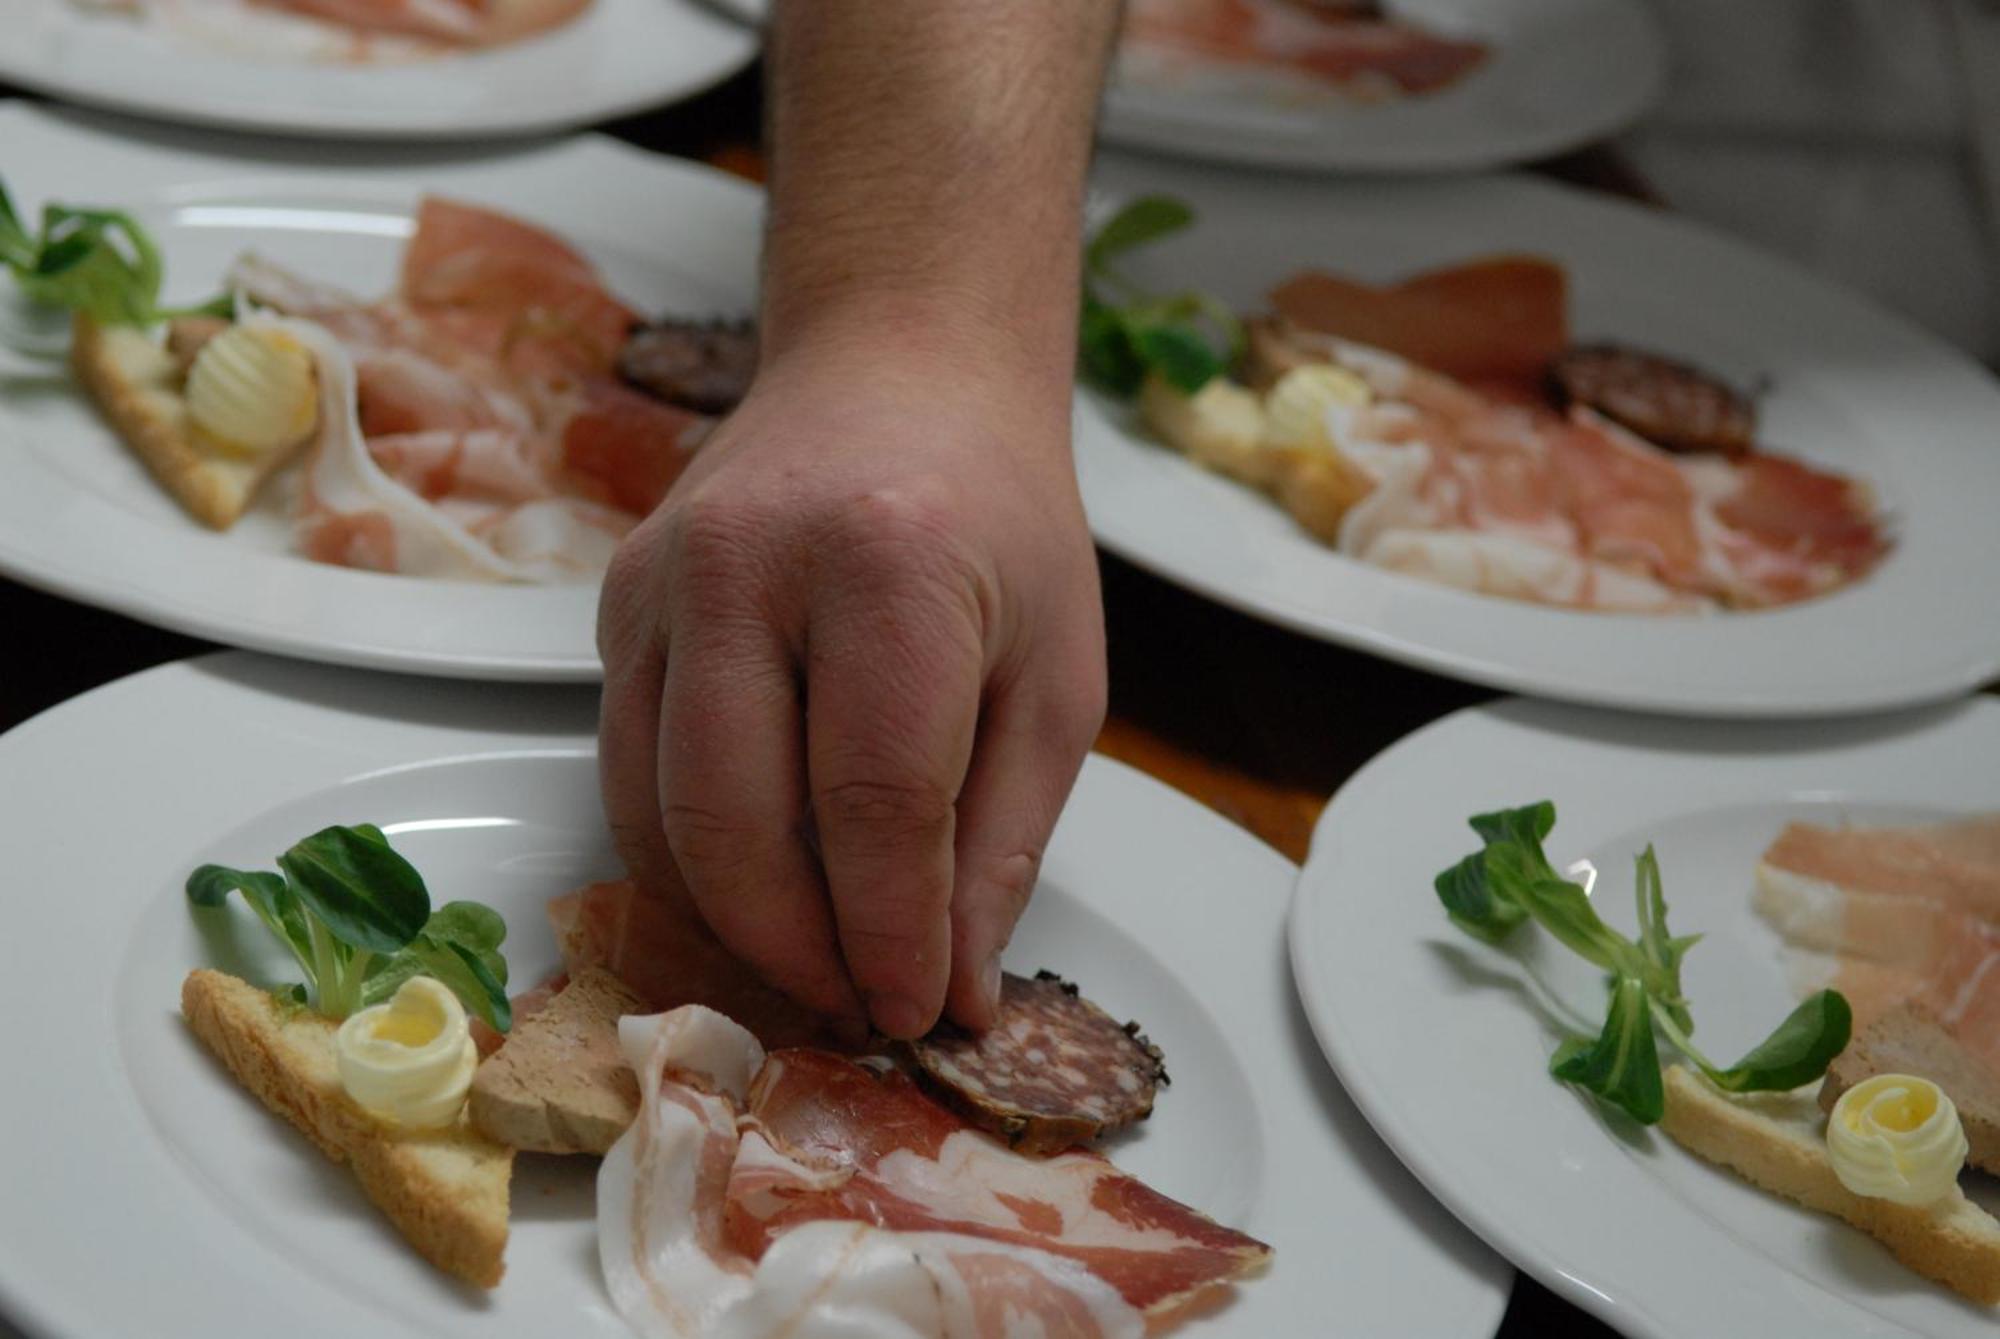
{"x": 1259, "y": 724}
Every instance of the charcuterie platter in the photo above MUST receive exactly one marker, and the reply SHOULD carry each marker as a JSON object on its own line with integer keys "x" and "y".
{"x": 487, "y": 796}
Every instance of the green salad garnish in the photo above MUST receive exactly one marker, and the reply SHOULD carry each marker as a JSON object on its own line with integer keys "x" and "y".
{"x": 99, "y": 262}
{"x": 358, "y": 918}
{"x": 1126, "y": 333}
{"x": 1491, "y": 892}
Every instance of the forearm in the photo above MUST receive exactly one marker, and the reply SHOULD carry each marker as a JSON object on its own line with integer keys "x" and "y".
{"x": 928, "y": 159}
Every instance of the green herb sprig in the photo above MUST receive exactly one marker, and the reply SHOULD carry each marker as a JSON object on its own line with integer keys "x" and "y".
{"x": 358, "y": 918}
{"x": 99, "y": 262}
{"x": 1493, "y": 891}
{"x": 1126, "y": 333}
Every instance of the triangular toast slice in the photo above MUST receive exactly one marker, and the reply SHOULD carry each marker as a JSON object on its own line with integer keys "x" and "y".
{"x": 445, "y": 1190}
{"x": 137, "y": 383}
{"x": 1778, "y": 1141}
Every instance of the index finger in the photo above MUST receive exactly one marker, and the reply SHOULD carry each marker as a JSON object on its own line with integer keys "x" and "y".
{"x": 892, "y": 703}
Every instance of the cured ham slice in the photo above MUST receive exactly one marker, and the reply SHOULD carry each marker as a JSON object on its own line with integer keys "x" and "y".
{"x": 1503, "y": 318}
{"x": 354, "y": 514}
{"x": 447, "y": 22}
{"x": 728, "y": 1142}
{"x": 666, "y": 954}
{"x": 1362, "y": 55}
{"x": 629, "y": 446}
{"x": 510, "y": 292}
{"x": 827, "y": 1137}
{"x": 1513, "y": 498}
{"x": 1894, "y": 915}
{"x": 1955, "y": 863}
{"x": 485, "y": 389}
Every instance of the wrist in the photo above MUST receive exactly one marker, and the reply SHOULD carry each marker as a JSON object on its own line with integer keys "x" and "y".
{"x": 972, "y": 336}
{"x": 932, "y": 346}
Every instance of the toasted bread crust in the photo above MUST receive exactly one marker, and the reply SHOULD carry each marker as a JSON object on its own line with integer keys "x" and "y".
{"x": 560, "y": 1084}
{"x": 1772, "y": 1140}
{"x": 135, "y": 382}
{"x": 445, "y": 1190}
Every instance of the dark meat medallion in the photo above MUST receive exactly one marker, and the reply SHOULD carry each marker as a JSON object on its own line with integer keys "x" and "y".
{"x": 705, "y": 366}
{"x": 1342, "y": 11}
{"x": 1670, "y": 404}
{"x": 1054, "y": 1070}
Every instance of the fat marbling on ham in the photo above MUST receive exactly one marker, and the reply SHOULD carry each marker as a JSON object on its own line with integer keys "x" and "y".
{"x": 804, "y": 1193}
{"x": 472, "y": 422}
{"x": 1894, "y": 915}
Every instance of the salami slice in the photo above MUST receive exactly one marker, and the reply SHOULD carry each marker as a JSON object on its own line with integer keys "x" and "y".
{"x": 705, "y": 366}
{"x": 1672, "y": 405}
{"x": 1053, "y": 1071}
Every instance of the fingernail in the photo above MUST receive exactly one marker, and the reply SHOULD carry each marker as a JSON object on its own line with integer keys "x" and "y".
{"x": 898, "y": 1016}
{"x": 989, "y": 981}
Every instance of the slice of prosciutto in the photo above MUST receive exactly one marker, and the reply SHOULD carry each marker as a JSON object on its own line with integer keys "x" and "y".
{"x": 1506, "y": 496}
{"x": 757, "y": 1197}
{"x": 669, "y": 957}
{"x": 830, "y": 1137}
{"x": 452, "y": 23}
{"x": 1362, "y": 55}
{"x": 1890, "y": 915}
{"x": 481, "y": 430}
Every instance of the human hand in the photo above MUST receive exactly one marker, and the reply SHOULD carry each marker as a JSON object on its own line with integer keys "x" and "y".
{"x": 869, "y": 610}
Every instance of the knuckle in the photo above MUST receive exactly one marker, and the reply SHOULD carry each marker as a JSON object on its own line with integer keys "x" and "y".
{"x": 632, "y": 565}
{"x": 888, "y": 942}
{"x": 907, "y": 538}
{"x": 626, "y": 602}
{"x": 705, "y": 839}
{"x": 720, "y": 566}
{"x": 877, "y": 936}
{"x": 919, "y": 509}
{"x": 629, "y": 835}
{"x": 886, "y": 810}
{"x": 1082, "y": 709}
{"x": 1009, "y": 883}
{"x": 711, "y": 538}
{"x": 1068, "y": 711}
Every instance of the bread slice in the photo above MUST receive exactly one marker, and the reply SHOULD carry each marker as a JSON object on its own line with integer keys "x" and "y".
{"x": 1910, "y": 1039}
{"x": 445, "y": 1190}
{"x": 136, "y": 381}
{"x": 1778, "y": 1141}
{"x": 560, "y": 1084}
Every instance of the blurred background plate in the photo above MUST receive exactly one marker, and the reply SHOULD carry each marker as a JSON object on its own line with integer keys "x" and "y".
{"x": 618, "y": 56}
{"x": 80, "y": 516}
{"x": 1558, "y": 74}
{"x": 1849, "y": 385}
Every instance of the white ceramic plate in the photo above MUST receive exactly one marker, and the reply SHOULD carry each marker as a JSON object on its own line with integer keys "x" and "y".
{"x": 1851, "y": 386}
{"x": 617, "y": 57}
{"x": 148, "y": 1194}
{"x": 1559, "y": 73}
{"x": 1445, "y": 1042}
{"x": 80, "y": 516}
